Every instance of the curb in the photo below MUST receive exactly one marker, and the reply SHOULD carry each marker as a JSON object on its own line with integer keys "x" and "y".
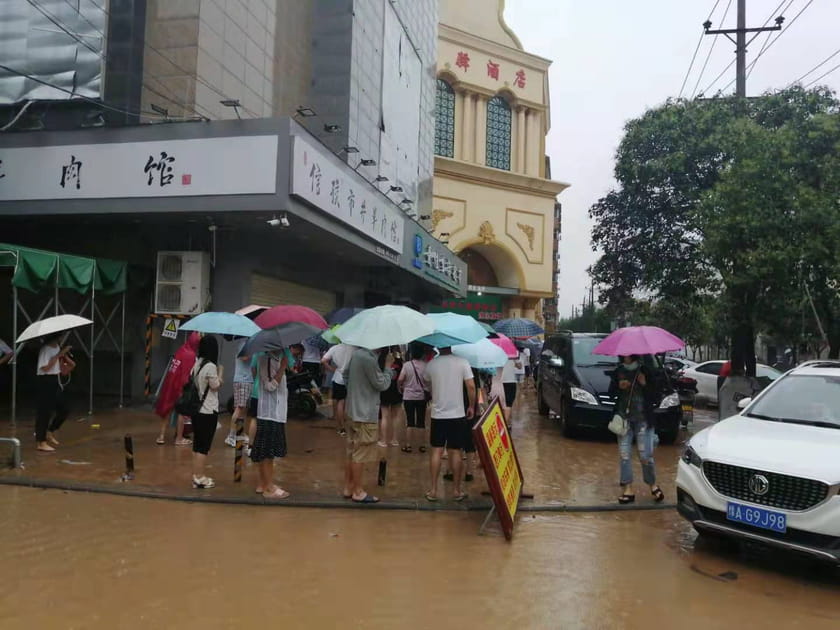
{"x": 408, "y": 505}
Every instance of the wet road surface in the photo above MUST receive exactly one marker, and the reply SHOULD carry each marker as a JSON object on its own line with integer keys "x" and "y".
{"x": 78, "y": 560}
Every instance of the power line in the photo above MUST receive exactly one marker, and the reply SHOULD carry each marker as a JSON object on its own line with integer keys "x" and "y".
{"x": 52, "y": 19}
{"x": 818, "y": 66}
{"x": 822, "y": 76}
{"x": 717, "y": 78}
{"x": 696, "y": 50}
{"x": 78, "y": 11}
{"x": 770, "y": 34}
{"x": 711, "y": 48}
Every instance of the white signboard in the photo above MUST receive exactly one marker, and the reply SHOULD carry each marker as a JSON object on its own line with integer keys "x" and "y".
{"x": 319, "y": 178}
{"x": 170, "y": 168}
{"x": 170, "y": 328}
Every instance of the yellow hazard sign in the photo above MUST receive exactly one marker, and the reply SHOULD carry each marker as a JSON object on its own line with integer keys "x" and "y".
{"x": 170, "y": 328}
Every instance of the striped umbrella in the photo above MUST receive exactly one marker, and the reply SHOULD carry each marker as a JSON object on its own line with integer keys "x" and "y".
{"x": 518, "y": 328}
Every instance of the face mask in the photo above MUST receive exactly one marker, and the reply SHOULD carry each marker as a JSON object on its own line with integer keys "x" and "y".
{"x": 632, "y": 366}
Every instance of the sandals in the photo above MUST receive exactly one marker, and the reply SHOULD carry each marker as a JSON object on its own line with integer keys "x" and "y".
{"x": 460, "y": 497}
{"x": 277, "y": 493}
{"x": 406, "y": 449}
{"x": 625, "y": 499}
{"x": 431, "y": 497}
{"x": 160, "y": 441}
{"x": 183, "y": 442}
{"x": 422, "y": 449}
{"x": 369, "y": 498}
{"x": 658, "y": 495}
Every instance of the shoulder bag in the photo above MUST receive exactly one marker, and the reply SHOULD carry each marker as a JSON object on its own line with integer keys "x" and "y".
{"x": 190, "y": 401}
{"x": 618, "y": 424}
{"x": 427, "y": 395}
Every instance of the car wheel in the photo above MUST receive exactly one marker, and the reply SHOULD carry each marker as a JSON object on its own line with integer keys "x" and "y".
{"x": 308, "y": 407}
{"x": 567, "y": 425}
{"x": 542, "y": 407}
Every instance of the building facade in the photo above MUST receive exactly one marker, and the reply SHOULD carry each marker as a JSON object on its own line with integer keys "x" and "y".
{"x": 494, "y": 200}
{"x": 272, "y": 136}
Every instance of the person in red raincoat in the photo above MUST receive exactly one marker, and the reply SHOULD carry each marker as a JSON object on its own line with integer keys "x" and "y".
{"x": 173, "y": 384}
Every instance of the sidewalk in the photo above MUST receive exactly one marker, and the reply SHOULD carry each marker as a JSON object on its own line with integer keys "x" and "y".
{"x": 562, "y": 474}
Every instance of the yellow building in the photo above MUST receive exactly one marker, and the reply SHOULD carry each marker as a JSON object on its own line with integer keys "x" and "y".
{"x": 493, "y": 198}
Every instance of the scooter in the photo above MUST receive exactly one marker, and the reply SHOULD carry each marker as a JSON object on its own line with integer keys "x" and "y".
{"x": 304, "y": 396}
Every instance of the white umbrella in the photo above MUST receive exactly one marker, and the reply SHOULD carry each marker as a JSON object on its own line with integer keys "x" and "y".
{"x": 385, "y": 326}
{"x": 52, "y": 325}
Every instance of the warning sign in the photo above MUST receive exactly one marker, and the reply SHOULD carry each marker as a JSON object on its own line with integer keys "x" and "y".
{"x": 500, "y": 463}
{"x": 170, "y": 328}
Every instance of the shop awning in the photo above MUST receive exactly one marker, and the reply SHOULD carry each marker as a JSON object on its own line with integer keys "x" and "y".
{"x": 37, "y": 270}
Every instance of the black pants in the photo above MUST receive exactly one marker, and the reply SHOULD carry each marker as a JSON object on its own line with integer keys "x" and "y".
{"x": 52, "y": 407}
{"x": 415, "y": 413}
{"x": 314, "y": 370}
{"x": 204, "y": 429}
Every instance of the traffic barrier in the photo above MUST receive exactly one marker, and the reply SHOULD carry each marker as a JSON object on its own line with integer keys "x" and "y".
{"x": 129, "y": 458}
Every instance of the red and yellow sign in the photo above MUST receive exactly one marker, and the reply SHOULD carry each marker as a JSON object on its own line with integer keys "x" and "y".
{"x": 501, "y": 465}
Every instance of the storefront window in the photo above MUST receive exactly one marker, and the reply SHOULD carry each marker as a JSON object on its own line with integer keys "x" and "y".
{"x": 444, "y": 120}
{"x": 498, "y": 133}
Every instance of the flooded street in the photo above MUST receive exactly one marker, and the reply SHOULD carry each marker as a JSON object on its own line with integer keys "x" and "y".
{"x": 79, "y": 560}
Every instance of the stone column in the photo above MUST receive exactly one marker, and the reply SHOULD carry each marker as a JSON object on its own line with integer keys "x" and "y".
{"x": 532, "y": 143}
{"x": 468, "y": 144}
{"x": 460, "y": 107}
{"x": 520, "y": 140}
{"x": 480, "y": 129}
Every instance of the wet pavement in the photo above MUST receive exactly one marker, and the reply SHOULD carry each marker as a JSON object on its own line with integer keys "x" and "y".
{"x": 560, "y": 472}
{"x": 78, "y": 560}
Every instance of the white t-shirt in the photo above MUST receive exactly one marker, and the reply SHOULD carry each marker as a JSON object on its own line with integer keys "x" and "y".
{"x": 509, "y": 371}
{"x": 206, "y": 378}
{"x": 340, "y": 356}
{"x": 523, "y": 361}
{"x": 445, "y": 376}
{"x": 311, "y": 353}
{"x": 48, "y": 351}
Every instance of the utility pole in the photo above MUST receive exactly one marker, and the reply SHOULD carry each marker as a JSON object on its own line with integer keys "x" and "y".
{"x": 741, "y": 43}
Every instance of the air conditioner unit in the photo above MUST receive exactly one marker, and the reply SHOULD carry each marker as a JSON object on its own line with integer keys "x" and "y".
{"x": 182, "y": 283}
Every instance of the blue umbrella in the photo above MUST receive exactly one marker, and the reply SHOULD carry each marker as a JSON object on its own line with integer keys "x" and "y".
{"x": 518, "y": 327}
{"x": 482, "y": 355}
{"x": 277, "y": 338}
{"x": 218, "y": 323}
{"x": 341, "y": 315}
{"x": 452, "y": 329}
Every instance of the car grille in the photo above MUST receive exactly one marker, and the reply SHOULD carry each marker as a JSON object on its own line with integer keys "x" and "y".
{"x": 606, "y": 399}
{"x": 784, "y": 491}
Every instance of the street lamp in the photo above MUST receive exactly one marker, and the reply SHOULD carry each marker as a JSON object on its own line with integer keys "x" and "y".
{"x": 232, "y": 102}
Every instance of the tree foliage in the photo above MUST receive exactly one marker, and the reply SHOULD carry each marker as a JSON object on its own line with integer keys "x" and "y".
{"x": 726, "y": 201}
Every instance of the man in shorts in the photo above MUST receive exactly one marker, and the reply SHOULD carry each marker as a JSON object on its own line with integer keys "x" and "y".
{"x": 365, "y": 382}
{"x": 336, "y": 360}
{"x": 243, "y": 383}
{"x": 446, "y": 376}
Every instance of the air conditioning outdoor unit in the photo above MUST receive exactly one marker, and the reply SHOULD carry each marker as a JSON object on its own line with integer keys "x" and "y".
{"x": 182, "y": 283}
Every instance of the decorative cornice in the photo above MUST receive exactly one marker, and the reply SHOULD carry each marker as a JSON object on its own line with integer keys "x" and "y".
{"x": 438, "y": 216}
{"x": 486, "y": 233}
{"x": 528, "y": 231}
{"x": 496, "y": 178}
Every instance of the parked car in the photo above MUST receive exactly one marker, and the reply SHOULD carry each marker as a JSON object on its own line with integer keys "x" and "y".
{"x": 706, "y": 375}
{"x": 574, "y": 384}
{"x": 771, "y": 473}
{"x": 675, "y": 365}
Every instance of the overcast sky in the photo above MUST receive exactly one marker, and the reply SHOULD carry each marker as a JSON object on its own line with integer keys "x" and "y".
{"x": 613, "y": 59}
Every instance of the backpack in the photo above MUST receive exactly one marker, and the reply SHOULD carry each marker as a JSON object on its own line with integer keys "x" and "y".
{"x": 189, "y": 403}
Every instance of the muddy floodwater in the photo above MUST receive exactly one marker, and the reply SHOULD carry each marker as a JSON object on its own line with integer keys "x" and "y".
{"x": 78, "y": 560}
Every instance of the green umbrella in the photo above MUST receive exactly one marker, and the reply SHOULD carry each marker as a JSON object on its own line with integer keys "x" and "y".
{"x": 329, "y": 335}
{"x": 384, "y": 326}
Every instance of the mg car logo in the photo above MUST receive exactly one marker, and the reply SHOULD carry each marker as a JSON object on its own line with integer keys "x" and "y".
{"x": 759, "y": 485}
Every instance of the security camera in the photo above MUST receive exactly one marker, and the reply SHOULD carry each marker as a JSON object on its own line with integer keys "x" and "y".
{"x": 274, "y": 222}
{"x": 282, "y": 222}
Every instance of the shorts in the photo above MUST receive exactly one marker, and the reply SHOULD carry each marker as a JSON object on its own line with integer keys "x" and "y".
{"x": 339, "y": 391}
{"x": 453, "y": 433}
{"x": 252, "y": 407}
{"x": 510, "y": 394}
{"x": 270, "y": 441}
{"x": 415, "y": 414}
{"x": 361, "y": 442}
{"x": 242, "y": 394}
{"x": 204, "y": 429}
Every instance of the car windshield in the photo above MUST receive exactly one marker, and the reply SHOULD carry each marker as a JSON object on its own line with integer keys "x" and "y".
{"x": 582, "y": 352}
{"x": 801, "y": 399}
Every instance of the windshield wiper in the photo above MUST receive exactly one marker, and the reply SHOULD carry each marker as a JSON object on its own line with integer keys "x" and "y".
{"x": 763, "y": 417}
{"x": 814, "y": 423}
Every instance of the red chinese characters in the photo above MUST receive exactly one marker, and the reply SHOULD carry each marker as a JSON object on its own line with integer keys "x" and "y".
{"x": 519, "y": 81}
{"x": 492, "y": 70}
{"x": 463, "y": 61}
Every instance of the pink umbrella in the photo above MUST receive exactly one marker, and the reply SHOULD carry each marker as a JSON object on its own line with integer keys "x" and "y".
{"x": 505, "y": 344}
{"x": 252, "y": 310}
{"x": 638, "y": 340}
{"x": 288, "y": 313}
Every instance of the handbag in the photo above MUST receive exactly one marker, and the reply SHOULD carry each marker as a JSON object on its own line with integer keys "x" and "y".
{"x": 618, "y": 424}
{"x": 427, "y": 395}
{"x": 190, "y": 402}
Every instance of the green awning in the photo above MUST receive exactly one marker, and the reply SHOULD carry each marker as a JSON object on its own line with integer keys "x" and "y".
{"x": 38, "y": 270}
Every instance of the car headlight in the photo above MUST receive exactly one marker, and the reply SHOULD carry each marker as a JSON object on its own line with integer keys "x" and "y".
{"x": 671, "y": 400}
{"x": 581, "y": 395}
{"x": 690, "y": 456}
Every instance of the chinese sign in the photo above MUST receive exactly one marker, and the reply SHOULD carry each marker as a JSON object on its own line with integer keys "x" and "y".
{"x": 205, "y": 166}
{"x": 484, "y": 308}
{"x": 517, "y": 76}
{"x": 331, "y": 186}
{"x": 500, "y": 463}
{"x": 433, "y": 258}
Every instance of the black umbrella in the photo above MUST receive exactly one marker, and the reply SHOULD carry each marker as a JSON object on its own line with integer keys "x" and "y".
{"x": 277, "y": 338}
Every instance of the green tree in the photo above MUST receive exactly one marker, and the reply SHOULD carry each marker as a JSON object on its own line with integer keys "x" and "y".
{"x": 720, "y": 200}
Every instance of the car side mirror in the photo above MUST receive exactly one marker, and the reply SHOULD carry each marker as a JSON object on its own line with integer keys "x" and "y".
{"x": 546, "y": 355}
{"x": 556, "y": 362}
{"x": 742, "y": 404}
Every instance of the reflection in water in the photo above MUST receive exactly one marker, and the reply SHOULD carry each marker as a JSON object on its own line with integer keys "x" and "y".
{"x": 94, "y": 561}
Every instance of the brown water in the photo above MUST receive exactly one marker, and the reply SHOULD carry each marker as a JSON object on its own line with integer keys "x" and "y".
{"x": 74, "y": 560}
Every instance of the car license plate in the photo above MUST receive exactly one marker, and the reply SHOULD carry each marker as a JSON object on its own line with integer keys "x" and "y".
{"x": 757, "y": 517}
{"x": 687, "y": 407}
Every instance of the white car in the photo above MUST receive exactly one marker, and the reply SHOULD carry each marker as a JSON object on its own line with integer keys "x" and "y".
{"x": 771, "y": 474}
{"x": 706, "y": 375}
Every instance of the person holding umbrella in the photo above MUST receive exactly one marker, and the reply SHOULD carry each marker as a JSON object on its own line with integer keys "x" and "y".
{"x": 176, "y": 377}
{"x": 272, "y": 412}
{"x": 54, "y": 362}
{"x": 207, "y": 375}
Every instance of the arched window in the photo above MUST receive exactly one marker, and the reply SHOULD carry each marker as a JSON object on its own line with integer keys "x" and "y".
{"x": 498, "y": 133}
{"x": 444, "y": 119}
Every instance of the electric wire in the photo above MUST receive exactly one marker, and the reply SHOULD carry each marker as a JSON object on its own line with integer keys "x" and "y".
{"x": 817, "y": 67}
{"x": 78, "y": 11}
{"x": 709, "y": 55}
{"x": 822, "y": 76}
{"x": 696, "y": 50}
{"x": 53, "y": 19}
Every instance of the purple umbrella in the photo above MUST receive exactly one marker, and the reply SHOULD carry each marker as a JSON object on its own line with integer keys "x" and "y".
{"x": 638, "y": 340}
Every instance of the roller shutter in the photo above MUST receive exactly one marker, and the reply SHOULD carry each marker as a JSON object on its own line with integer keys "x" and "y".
{"x": 270, "y": 291}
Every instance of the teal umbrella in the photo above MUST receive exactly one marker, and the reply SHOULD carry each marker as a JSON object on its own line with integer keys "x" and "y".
{"x": 384, "y": 326}
{"x": 452, "y": 329}
{"x": 219, "y": 323}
